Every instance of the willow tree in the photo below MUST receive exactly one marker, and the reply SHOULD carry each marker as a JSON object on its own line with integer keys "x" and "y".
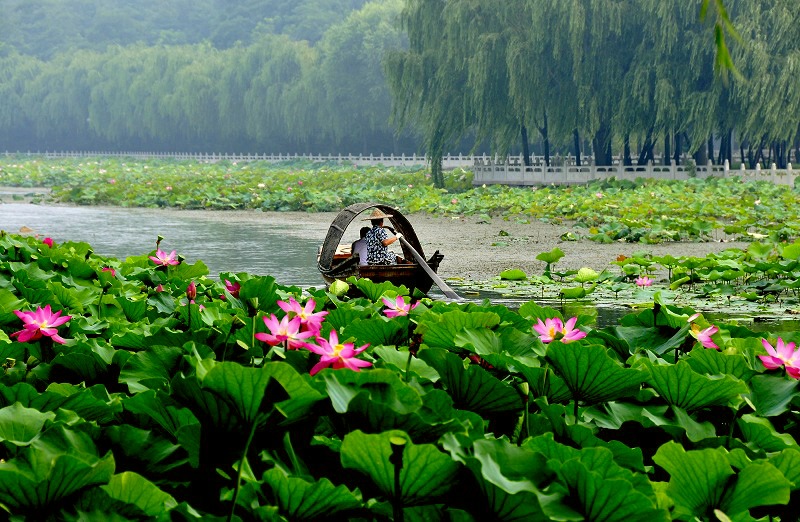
{"x": 354, "y": 100}
{"x": 428, "y": 85}
{"x": 771, "y": 63}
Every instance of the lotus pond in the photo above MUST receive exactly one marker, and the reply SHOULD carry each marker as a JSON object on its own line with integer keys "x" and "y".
{"x": 144, "y": 389}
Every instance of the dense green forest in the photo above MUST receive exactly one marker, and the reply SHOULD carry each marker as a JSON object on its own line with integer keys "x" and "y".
{"x": 603, "y": 77}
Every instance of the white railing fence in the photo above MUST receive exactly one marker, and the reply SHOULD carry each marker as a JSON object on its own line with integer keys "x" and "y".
{"x": 488, "y": 170}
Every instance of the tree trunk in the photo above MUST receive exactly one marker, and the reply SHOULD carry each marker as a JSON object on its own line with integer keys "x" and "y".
{"x": 710, "y": 155}
{"x": 678, "y": 148}
{"x": 576, "y": 141}
{"x": 646, "y": 154}
{"x": 602, "y": 145}
{"x": 544, "y": 131}
{"x": 526, "y": 150}
{"x": 626, "y": 151}
{"x": 667, "y": 151}
{"x": 701, "y": 155}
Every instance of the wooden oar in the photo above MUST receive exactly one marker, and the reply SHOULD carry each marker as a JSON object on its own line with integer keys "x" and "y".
{"x": 446, "y": 290}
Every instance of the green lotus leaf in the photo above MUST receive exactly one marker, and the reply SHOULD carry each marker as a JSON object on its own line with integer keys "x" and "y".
{"x": 20, "y": 425}
{"x": 544, "y": 382}
{"x": 513, "y": 274}
{"x": 52, "y": 468}
{"x": 188, "y": 271}
{"x": 242, "y": 387}
{"x": 379, "y": 386}
{"x": 512, "y": 479}
{"x": 758, "y": 484}
{"x": 342, "y": 316}
{"x": 426, "y": 472}
{"x": 713, "y": 362}
{"x": 151, "y": 369}
{"x": 377, "y": 332}
{"x": 180, "y": 423}
{"x": 601, "y": 494}
{"x": 586, "y": 275}
{"x": 299, "y": 499}
{"x": 131, "y": 488}
{"x": 144, "y": 450}
{"x": 788, "y": 463}
{"x": 472, "y": 388}
{"x": 591, "y": 375}
{"x": 339, "y": 288}
{"x": 72, "y": 298}
{"x": 374, "y": 291}
{"x": 552, "y": 256}
{"x": 758, "y": 432}
{"x": 93, "y": 404}
{"x": 260, "y": 292}
{"x": 398, "y": 360}
{"x": 440, "y": 331}
{"x": 534, "y": 311}
{"x": 681, "y": 386}
{"x": 771, "y": 395}
{"x": 791, "y": 251}
{"x": 302, "y": 395}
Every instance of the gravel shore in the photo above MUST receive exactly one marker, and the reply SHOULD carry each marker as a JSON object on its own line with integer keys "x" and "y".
{"x": 476, "y": 249}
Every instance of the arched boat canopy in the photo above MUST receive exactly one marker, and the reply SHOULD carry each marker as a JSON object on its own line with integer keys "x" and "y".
{"x": 347, "y": 215}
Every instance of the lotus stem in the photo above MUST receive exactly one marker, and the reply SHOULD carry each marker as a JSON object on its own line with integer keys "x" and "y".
{"x": 398, "y": 445}
{"x": 241, "y": 467}
{"x": 408, "y": 367}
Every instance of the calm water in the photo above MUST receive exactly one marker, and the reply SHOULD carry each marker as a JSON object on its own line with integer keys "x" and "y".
{"x": 224, "y": 241}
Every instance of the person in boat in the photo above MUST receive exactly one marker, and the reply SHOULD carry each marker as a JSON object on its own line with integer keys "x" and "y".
{"x": 359, "y": 247}
{"x": 378, "y": 240}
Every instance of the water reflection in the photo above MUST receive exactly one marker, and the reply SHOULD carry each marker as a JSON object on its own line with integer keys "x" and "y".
{"x": 234, "y": 244}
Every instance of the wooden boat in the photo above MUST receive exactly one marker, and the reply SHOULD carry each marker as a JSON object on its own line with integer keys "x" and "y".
{"x": 336, "y": 262}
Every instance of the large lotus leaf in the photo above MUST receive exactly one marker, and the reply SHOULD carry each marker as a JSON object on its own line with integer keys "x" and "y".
{"x": 713, "y": 362}
{"x": 242, "y": 387}
{"x": 374, "y": 291}
{"x": 143, "y": 450}
{"x": 377, "y": 332}
{"x": 92, "y": 404}
{"x": 758, "y": 484}
{"x": 472, "y": 388}
{"x": 591, "y": 374}
{"x": 52, "y": 468}
{"x": 20, "y": 425}
{"x": 695, "y": 431}
{"x": 509, "y": 341}
{"x": 77, "y": 364}
{"x": 299, "y": 499}
{"x": 302, "y": 395}
{"x": 759, "y": 433}
{"x": 697, "y": 478}
{"x": 511, "y": 479}
{"x": 212, "y": 410}
{"x": 72, "y": 298}
{"x": 398, "y": 360}
{"x": 188, "y": 271}
{"x": 507, "y": 316}
{"x": 426, "y": 472}
{"x": 600, "y": 497}
{"x": 339, "y": 318}
{"x": 131, "y": 488}
{"x": 178, "y": 422}
{"x": 545, "y": 383}
{"x": 379, "y": 386}
{"x": 151, "y": 369}
{"x": 683, "y": 387}
{"x": 440, "y": 331}
{"x": 656, "y": 339}
{"x": 8, "y": 303}
{"x": 260, "y": 292}
{"x": 788, "y": 463}
{"x": 134, "y": 307}
{"x": 771, "y": 395}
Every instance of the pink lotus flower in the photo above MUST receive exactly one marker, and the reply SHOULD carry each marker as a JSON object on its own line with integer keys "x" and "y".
{"x": 160, "y": 288}
{"x": 337, "y": 355}
{"x": 191, "y": 292}
{"x": 233, "y": 288}
{"x": 552, "y": 329}
{"x": 286, "y": 330}
{"x": 704, "y": 336}
{"x": 109, "y": 269}
{"x": 784, "y": 354}
{"x": 398, "y": 307}
{"x": 308, "y": 319}
{"x": 643, "y": 281}
{"x": 41, "y": 322}
{"x": 163, "y": 259}
{"x": 48, "y": 241}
